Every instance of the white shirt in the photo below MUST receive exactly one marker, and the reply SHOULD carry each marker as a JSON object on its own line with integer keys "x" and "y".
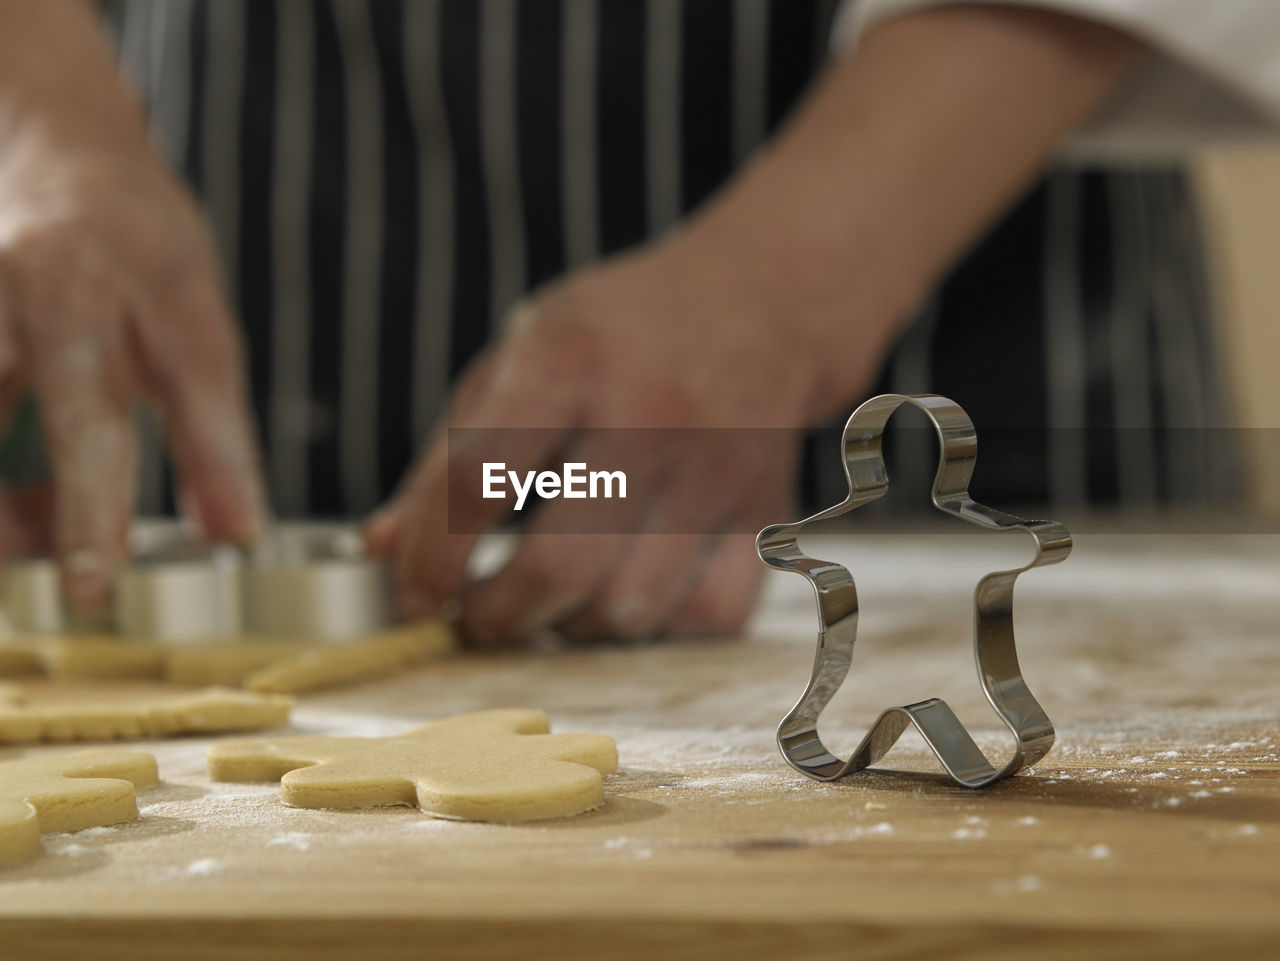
{"x": 1214, "y": 73}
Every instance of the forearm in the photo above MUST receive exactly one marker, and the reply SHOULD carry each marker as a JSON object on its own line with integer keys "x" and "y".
{"x": 902, "y": 155}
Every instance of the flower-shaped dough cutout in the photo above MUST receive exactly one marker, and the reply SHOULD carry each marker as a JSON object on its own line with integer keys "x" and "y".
{"x": 54, "y": 793}
{"x": 499, "y": 765}
{"x": 993, "y": 643}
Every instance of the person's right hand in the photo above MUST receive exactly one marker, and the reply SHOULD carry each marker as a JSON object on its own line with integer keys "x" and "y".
{"x": 109, "y": 295}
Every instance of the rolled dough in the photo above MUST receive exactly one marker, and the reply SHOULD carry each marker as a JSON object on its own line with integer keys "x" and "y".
{"x": 326, "y": 665}
{"x": 50, "y": 794}
{"x": 15, "y": 659}
{"x": 225, "y": 663}
{"x": 499, "y": 765}
{"x": 100, "y": 656}
{"x": 269, "y": 666}
{"x": 213, "y": 710}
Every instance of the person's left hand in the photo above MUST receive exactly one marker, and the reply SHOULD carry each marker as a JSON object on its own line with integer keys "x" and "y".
{"x": 109, "y": 297}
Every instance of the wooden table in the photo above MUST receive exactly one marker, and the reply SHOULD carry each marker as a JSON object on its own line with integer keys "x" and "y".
{"x": 1152, "y": 829}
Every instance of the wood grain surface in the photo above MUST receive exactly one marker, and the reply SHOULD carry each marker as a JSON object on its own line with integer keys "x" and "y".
{"x": 1152, "y": 828}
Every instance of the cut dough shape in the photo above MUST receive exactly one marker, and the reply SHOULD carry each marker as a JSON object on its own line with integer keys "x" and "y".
{"x": 213, "y": 710}
{"x": 15, "y": 660}
{"x": 499, "y": 765}
{"x": 50, "y": 794}
{"x": 269, "y": 666}
{"x": 326, "y": 665}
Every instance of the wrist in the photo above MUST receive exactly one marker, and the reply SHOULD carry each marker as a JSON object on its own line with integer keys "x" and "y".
{"x": 806, "y": 260}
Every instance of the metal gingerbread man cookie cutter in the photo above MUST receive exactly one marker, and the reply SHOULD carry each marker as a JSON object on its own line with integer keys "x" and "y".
{"x": 837, "y": 598}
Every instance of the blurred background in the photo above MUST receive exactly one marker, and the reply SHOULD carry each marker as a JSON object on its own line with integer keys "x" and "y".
{"x": 1239, "y": 189}
{"x": 1173, "y": 291}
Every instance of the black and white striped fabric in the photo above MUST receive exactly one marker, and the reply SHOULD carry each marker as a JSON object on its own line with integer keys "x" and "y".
{"x": 385, "y": 177}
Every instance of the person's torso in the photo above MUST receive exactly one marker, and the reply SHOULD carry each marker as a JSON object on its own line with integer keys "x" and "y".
{"x": 386, "y": 177}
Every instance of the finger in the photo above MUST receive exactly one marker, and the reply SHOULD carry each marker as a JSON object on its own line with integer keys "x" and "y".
{"x": 383, "y": 528}
{"x": 658, "y": 564}
{"x": 192, "y": 361}
{"x": 639, "y": 594}
{"x": 719, "y": 478}
{"x": 527, "y": 390}
{"x": 80, "y": 371}
{"x": 26, "y": 522}
{"x": 551, "y": 576}
{"x": 446, "y": 508}
{"x": 568, "y": 551}
{"x": 725, "y": 593}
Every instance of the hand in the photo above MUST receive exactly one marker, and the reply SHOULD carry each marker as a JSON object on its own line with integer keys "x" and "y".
{"x": 773, "y": 307}
{"x": 108, "y": 295}
{"x": 669, "y": 337}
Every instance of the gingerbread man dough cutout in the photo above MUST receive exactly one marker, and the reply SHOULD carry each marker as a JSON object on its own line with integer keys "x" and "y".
{"x": 499, "y": 765}
{"x": 53, "y": 793}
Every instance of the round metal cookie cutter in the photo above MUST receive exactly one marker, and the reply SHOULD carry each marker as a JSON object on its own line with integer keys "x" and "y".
{"x": 315, "y": 583}
{"x": 181, "y": 593}
{"x": 303, "y": 582}
{"x": 31, "y": 596}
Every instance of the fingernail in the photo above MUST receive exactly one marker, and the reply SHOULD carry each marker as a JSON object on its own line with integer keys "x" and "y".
{"x": 86, "y": 578}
